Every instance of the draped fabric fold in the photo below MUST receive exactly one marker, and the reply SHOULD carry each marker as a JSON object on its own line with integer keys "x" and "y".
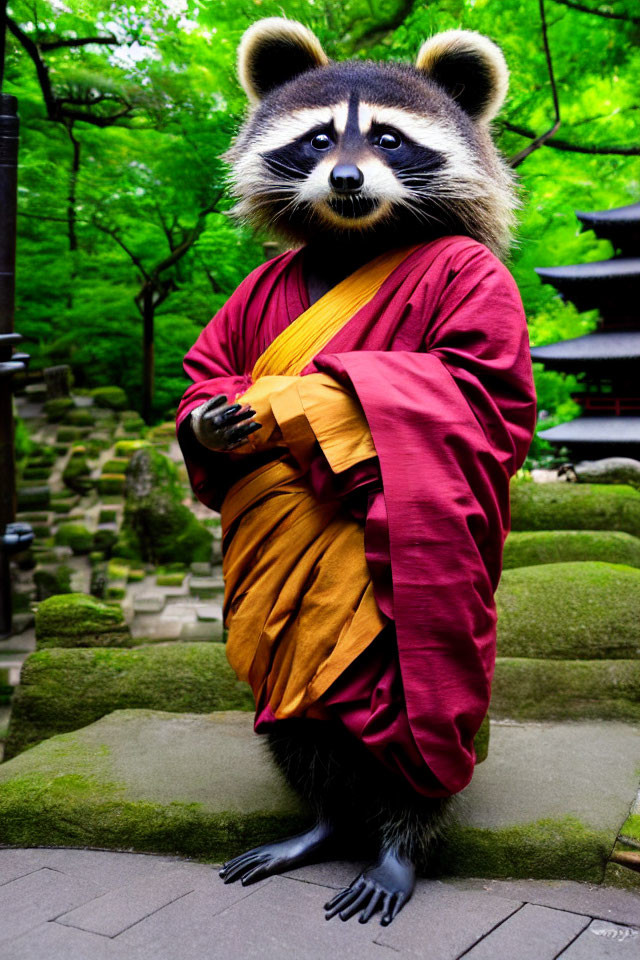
{"x": 397, "y": 442}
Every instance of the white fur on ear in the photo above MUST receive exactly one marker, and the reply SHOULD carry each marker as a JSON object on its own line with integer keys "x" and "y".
{"x": 470, "y": 67}
{"x": 273, "y": 51}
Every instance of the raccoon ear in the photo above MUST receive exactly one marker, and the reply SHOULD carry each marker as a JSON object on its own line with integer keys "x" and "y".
{"x": 273, "y": 51}
{"x": 470, "y": 67}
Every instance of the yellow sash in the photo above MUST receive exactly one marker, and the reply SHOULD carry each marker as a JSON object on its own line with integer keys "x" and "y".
{"x": 298, "y": 343}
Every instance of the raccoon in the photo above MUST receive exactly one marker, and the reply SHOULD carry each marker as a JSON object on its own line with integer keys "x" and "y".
{"x": 352, "y": 159}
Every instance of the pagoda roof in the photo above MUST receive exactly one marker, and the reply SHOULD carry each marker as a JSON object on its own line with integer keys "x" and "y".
{"x": 605, "y": 430}
{"x": 614, "y": 345}
{"x": 621, "y": 226}
{"x": 611, "y": 286}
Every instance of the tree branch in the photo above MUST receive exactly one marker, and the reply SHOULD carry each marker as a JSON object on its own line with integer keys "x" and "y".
{"x": 518, "y": 158}
{"x": 114, "y": 235}
{"x": 45, "y": 45}
{"x": 598, "y": 13}
{"x": 595, "y": 149}
{"x": 379, "y": 31}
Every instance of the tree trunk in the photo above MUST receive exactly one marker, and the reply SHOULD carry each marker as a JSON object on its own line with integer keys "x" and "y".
{"x": 148, "y": 311}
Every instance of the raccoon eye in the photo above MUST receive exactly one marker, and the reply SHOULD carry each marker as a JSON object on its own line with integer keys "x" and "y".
{"x": 321, "y": 141}
{"x": 388, "y": 141}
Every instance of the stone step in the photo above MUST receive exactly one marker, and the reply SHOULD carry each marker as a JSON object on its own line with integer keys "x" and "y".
{"x": 575, "y": 506}
{"x": 548, "y": 803}
{"x": 528, "y": 547}
{"x": 529, "y": 689}
{"x": 180, "y": 677}
{"x": 582, "y": 610}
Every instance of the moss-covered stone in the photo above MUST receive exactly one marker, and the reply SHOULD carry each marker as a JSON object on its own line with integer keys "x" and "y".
{"x": 186, "y": 677}
{"x": 80, "y": 418}
{"x": 114, "y": 398}
{"x": 77, "y": 474}
{"x": 107, "y": 516}
{"x": 76, "y": 536}
{"x": 78, "y": 620}
{"x": 126, "y": 448}
{"x": 67, "y": 434}
{"x": 34, "y": 498}
{"x": 574, "y": 506}
{"x": 170, "y": 579}
{"x": 156, "y": 523}
{"x": 111, "y": 483}
{"x": 50, "y": 580}
{"x": 57, "y": 408}
{"x": 152, "y": 781}
{"x": 115, "y": 465}
{"x": 527, "y": 548}
{"x": 103, "y": 540}
{"x": 567, "y": 611}
{"x": 528, "y": 689}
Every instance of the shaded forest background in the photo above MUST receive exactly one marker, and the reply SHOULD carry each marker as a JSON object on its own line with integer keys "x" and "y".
{"x": 125, "y": 111}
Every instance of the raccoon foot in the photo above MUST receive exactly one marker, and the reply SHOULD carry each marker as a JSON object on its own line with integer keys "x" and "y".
{"x": 386, "y": 885}
{"x": 312, "y": 846}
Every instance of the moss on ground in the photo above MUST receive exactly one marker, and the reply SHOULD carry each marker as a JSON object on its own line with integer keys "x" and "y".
{"x": 51, "y": 580}
{"x": 528, "y": 689}
{"x": 78, "y": 620}
{"x": 568, "y": 611}
{"x": 548, "y": 849}
{"x": 110, "y": 483}
{"x": 574, "y": 506}
{"x": 190, "y": 677}
{"x": 532, "y": 547}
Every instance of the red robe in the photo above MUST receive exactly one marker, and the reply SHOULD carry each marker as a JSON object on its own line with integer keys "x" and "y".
{"x": 439, "y": 360}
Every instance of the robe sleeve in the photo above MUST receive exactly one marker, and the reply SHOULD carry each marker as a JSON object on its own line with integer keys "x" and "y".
{"x": 450, "y": 424}
{"x": 217, "y": 365}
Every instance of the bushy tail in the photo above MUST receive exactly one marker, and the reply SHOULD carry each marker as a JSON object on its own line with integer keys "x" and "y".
{"x": 341, "y": 781}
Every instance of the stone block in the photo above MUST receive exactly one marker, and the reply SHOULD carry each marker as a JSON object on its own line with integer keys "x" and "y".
{"x": 532, "y": 689}
{"x": 64, "y": 689}
{"x": 79, "y": 620}
{"x": 158, "y": 781}
{"x": 529, "y": 547}
{"x": 574, "y": 506}
{"x": 567, "y": 611}
{"x": 206, "y": 586}
{"x": 149, "y": 603}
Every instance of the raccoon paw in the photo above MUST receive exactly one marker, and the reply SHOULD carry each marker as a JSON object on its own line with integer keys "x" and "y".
{"x": 311, "y": 846}
{"x": 385, "y": 885}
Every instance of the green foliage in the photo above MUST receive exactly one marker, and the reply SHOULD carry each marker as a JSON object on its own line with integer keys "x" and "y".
{"x": 144, "y": 202}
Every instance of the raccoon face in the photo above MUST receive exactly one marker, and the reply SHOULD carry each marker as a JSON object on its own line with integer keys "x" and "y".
{"x": 366, "y": 147}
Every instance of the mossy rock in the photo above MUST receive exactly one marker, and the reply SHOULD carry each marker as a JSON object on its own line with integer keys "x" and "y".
{"x": 574, "y": 506}
{"x": 111, "y": 483}
{"x": 113, "y": 398}
{"x": 103, "y": 540}
{"x": 528, "y": 689}
{"x": 108, "y": 516}
{"x": 565, "y": 611}
{"x": 126, "y": 448}
{"x": 170, "y": 579}
{"x": 67, "y": 434}
{"x": 77, "y": 474}
{"x": 157, "y": 527}
{"x": 76, "y": 536}
{"x": 80, "y": 418}
{"x": 186, "y": 677}
{"x": 532, "y": 547}
{"x": 57, "y": 408}
{"x": 52, "y": 580}
{"x": 116, "y": 593}
{"x": 115, "y": 465}
{"x": 78, "y": 620}
{"x": 34, "y": 498}
{"x": 154, "y": 781}
{"x": 63, "y": 505}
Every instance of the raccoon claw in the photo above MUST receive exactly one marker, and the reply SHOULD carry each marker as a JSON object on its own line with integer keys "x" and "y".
{"x": 261, "y": 862}
{"x": 385, "y": 886}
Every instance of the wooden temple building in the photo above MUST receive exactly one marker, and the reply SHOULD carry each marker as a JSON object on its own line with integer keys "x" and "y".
{"x": 606, "y": 362}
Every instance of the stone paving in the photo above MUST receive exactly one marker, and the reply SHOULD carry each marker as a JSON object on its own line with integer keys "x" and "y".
{"x": 98, "y": 905}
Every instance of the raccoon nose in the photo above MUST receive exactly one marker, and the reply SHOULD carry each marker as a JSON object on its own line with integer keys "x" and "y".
{"x": 346, "y": 178}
